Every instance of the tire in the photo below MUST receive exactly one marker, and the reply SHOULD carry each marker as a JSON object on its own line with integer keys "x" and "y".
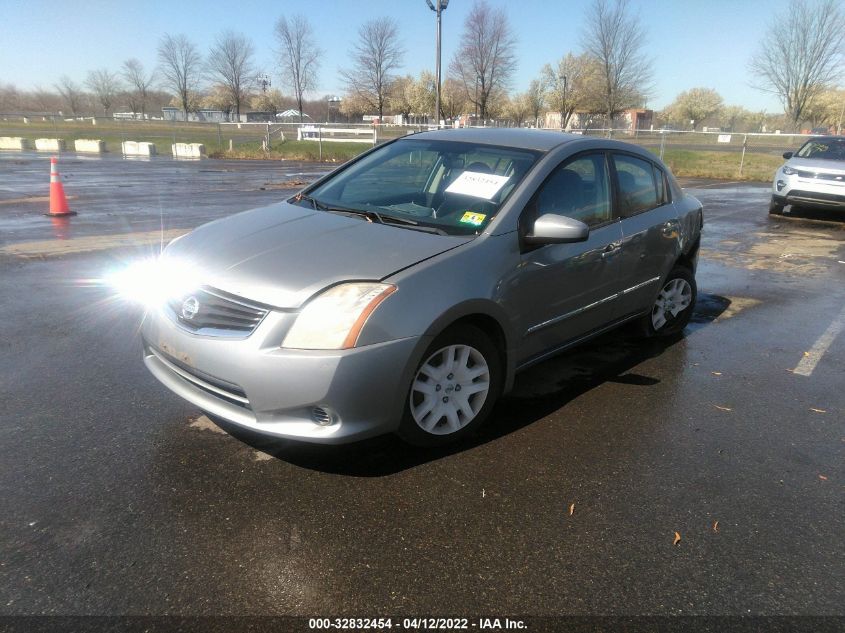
{"x": 434, "y": 392}
{"x": 679, "y": 290}
{"x": 775, "y": 207}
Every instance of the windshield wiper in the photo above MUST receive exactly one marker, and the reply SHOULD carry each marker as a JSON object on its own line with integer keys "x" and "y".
{"x": 300, "y": 197}
{"x": 411, "y": 224}
{"x": 322, "y": 206}
{"x": 370, "y": 215}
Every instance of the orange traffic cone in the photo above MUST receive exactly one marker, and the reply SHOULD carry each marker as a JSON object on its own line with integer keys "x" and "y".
{"x": 58, "y": 201}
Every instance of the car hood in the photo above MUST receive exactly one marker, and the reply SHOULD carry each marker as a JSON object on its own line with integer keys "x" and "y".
{"x": 817, "y": 164}
{"x": 283, "y": 254}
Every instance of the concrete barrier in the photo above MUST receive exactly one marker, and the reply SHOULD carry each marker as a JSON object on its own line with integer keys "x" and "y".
{"x": 14, "y": 142}
{"x": 89, "y": 146}
{"x": 138, "y": 148}
{"x": 188, "y": 150}
{"x": 50, "y": 144}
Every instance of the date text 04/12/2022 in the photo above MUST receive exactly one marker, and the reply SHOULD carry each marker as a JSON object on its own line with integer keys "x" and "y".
{"x": 419, "y": 624}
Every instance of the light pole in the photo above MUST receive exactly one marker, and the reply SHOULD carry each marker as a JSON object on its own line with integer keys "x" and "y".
{"x": 263, "y": 82}
{"x": 562, "y": 122}
{"x": 441, "y": 6}
{"x": 331, "y": 100}
{"x": 839, "y": 122}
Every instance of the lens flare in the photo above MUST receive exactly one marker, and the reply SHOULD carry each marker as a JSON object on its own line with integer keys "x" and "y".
{"x": 151, "y": 282}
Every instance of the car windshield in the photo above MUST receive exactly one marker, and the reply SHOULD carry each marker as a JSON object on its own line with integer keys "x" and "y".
{"x": 831, "y": 149}
{"x": 442, "y": 186}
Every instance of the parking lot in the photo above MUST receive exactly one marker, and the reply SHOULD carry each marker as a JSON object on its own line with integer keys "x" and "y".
{"x": 116, "y": 497}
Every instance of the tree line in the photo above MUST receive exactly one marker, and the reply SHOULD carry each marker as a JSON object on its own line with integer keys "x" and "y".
{"x": 799, "y": 60}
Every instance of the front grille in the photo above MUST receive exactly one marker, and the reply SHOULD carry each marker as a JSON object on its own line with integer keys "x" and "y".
{"x": 214, "y": 312}
{"x": 816, "y": 197}
{"x": 820, "y": 176}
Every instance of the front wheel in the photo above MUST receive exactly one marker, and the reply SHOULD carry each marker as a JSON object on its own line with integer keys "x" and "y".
{"x": 673, "y": 306}
{"x": 775, "y": 207}
{"x": 454, "y": 388}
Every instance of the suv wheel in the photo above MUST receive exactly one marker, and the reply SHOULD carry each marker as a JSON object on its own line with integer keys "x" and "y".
{"x": 775, "y": 207}
{"x": 673, "y": 306}
{"x": 454, "y": 388}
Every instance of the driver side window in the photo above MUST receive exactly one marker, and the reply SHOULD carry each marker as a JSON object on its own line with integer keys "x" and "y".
{"x": 578, "y": 189}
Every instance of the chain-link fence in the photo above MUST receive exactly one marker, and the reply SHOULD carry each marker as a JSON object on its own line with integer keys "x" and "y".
{"x": 704, "y": 154}
{"x": 712, "y": 154}
{"x": 314, "y": 140}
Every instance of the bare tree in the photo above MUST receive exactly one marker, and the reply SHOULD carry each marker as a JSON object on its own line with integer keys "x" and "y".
{"x": 43, "y": 100}
{"x": 230, "y": 66}
{"x": 180, "y": 66}
{"x": 615, "y": 40}
{"x": 104, "y": 85}
{"x": 71, "y": 93}
{"x": 801, "y": 55}
{"x": 375, "y": 56}
{"x": 140, "y": 84}
{"x": 10, "y": 98}
{"x": 486, "y": 59}
{"x": 299, "y": 56}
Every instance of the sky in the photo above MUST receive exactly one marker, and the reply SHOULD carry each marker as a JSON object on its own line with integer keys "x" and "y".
{"x": 692, "y": 43}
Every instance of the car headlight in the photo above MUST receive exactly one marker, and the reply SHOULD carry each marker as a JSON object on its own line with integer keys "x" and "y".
{"x": 151, "y": 282}
{"x": 788, "y": 171}
{"x": 334, "y": 318}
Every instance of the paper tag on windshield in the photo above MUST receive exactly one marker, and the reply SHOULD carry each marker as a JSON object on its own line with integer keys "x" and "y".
{"x": 477, "y": 184}
{"x": 476, "y": 219}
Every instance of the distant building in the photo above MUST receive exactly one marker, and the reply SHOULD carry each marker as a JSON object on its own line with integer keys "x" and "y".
{"x": 170, "y": 113}
{"x": 629, "y": 120}
{"x": 258, "y": 117}
{"x": 636, "y": 119}
{"x": 291, "y": 115}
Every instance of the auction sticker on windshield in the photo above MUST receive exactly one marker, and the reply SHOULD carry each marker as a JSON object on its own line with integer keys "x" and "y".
{"x": 477, "y": 184}
{"x": 476, "y": 219}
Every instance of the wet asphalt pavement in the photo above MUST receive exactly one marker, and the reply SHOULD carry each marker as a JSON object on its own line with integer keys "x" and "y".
{"x": 116, "y": 497}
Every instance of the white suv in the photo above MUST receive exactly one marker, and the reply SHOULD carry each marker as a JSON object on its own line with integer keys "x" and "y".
{"x": 812, "y": 176}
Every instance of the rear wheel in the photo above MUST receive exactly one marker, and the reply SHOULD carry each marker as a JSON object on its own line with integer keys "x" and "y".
{"x": 673, "y": 306}
{"x": 776, "y": 207}
{"x": 454, "y": 388}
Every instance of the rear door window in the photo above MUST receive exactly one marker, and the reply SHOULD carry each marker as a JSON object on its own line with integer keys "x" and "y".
{"x": 635, "y": 184}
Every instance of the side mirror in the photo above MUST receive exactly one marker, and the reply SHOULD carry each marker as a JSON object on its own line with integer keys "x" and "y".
{"x": 787, "y": 155}
{"x": 557, "y": 229}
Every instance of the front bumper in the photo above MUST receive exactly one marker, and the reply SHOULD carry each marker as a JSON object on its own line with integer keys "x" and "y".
{"x": 254, "y": 383}
{"x": 797, "y": 190}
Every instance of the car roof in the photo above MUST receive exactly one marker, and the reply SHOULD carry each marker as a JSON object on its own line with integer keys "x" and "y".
{"x": 824, "y": 138}
{"x": 522, "y": 138}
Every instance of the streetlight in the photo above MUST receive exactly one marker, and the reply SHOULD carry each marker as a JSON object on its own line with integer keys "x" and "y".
{"x": 329, "y": 101}
{"x": 441, "y": 6}
{"x": 562, "y": 122}
{"x": 263, "y": 82}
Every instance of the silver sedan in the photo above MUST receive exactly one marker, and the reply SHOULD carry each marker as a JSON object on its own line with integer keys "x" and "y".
{"x": 404, "y": 291}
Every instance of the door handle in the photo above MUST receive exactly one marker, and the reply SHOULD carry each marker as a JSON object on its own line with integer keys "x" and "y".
{"x": 610, "y": 250}
{"x": 670, "y": 227}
